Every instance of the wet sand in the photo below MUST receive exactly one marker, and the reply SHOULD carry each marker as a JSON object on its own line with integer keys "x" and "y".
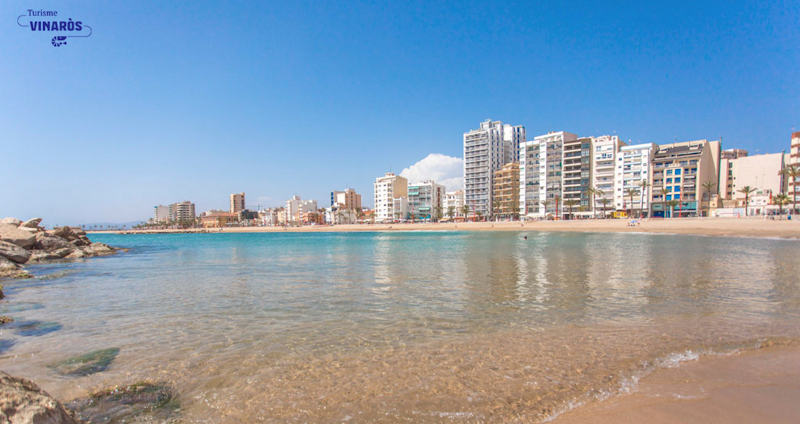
{"x": 746, "y": 227}
{"x": 753, "y": 387}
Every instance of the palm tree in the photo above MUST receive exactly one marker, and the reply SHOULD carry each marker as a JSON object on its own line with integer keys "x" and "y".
{"x": 479, "y": 214}
{"x": 437, "y": 211}
{"x": 643, "y": 185}
{"x": 593, "y": 193}
{"x": 359, "y": 213}
{"x": 545, "y": 203}
{"x": 571, "y": 203}
{"x": 496, "y": 207}
{"x": 557, "y": 203}
{"x": 780, "y": 200}
{"x": 664, "y": 192}
{"x": 672, "y": 203}
{"x": 793, "y": 172}
{"x": 709, "y": 185}
{"x": 747, "y": 191}
{"x": 515, "y": 209}
{"x": 630, "y": 192}
{"x": 451, "y": 210}
{"x": 605, "y": 203}
{"x": 397, "y": 216}
{"x": 465, "y": 211}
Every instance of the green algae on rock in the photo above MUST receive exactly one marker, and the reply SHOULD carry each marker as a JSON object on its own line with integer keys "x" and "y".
{"x": 144, "y": 401}
{"x": 90, "y": 363}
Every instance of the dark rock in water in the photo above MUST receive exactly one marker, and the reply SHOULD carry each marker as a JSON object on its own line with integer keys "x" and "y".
{"x": 140, "y": 402}
{"x": 5, "y": 345}
{"x": 21, "y": 401}
{"x": 5, "y": 320}
{"x": 89, "y": 363}
{"x": 35, "y": 328}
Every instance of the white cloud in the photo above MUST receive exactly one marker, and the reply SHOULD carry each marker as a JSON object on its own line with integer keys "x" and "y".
{"x": 442, "y": 169}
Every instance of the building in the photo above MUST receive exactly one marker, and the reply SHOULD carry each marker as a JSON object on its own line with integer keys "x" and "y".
{"x": 794, "y": 159}
{"x": 725, "y": 188}
{"x": 540, "y": 173}
{"x": 455, "y": 200}
{"x": 759, "y": 172}
{"x": 426, "y": 200}
{"x": 237, "y": 202}
{"x": 312, "y": 218}
{"x": 216, "y": 220}
{"x": 681, "y": 169}
{"x": 269, "y": 217}
{"x": 183, "y": 211}
{"x": 604, "y": 163}
{"x": 336, "y": 215}
{"x": 387, "y": 189}
{"x": 400, "y": 208}
{"x": 486, "y": 150}
{"x": 160, "y": 214}
{"x": 296, "y": 207}
{"x": 576, "y": 177}
{"x": 634, "y": 165}
{"x": 348, "y": 199}
{"x": 505, "y": 191}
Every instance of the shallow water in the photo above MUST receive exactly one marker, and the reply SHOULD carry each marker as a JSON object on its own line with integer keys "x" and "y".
{"x": 399, "y": 327}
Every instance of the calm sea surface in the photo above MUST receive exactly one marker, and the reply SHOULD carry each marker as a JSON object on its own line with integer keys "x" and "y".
{"x": 399, "y": 327}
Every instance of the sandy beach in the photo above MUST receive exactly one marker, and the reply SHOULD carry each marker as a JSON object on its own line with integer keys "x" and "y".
{"x": 754, "y": 387}
{"x": 745, "y": 227}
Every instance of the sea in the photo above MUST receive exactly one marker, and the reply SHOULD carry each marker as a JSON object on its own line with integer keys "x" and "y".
{"x": 397, "y": 327}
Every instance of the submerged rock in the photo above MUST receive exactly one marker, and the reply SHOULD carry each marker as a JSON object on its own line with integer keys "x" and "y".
{"x": 89, "y": 363}
{"x": 22, "y": 401}
{"x": 5, "y": 320}
{"x": 35, "y": 328}
{"x": 140, "y": 402}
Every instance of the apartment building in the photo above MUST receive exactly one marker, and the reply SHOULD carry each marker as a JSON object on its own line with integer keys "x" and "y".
{"x": 486, "y": 150}
{"x": 387, "y": 189}
{"x": 160, "y": 214}
{"x": 794, "y": 159}
{"x": 725, "y": 188}
{"x": 540, "y": 173}
{"x": 760, "y": 172}
{"x": 237, "y": 202}
{"x": 634, "y": 164}
{"x": 505, "y": 191}
{"x": 296, "y": 207}
{"x": 454, "y": 199}
{"x": 183, "y": 211}
{"x": 347, "y": 199}
{"x": 426, "y": 200}
{"x": 604, "y": 162}
{"x": 576, "y": 177}
{"x": 681, "y": 169}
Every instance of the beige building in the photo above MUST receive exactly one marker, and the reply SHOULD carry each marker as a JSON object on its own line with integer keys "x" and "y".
{"x": 216, "y": 220}
{"x": 387, "y": 189}
{"x": 505, "y": 190}
{"x": 794, "y": 159}
{"x": 725, "y": 188}
{"x": 237, "y": 202}
{"x": 760, "y": 172}
{"x": 681, "y": 169}
{"x": 347, "y": 199}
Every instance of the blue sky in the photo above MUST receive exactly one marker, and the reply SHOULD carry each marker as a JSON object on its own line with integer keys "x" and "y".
{"x": 171, "y": 101}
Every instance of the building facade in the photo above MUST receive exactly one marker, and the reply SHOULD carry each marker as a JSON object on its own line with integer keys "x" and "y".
{"x": 454, "y": 199}
{"x": 725, "y": 188}
{"x": 794, "y": 160}
{"x": 505, "y": 191}
{"x": 576, "y": 177}
{"x": 160, "y": 214}
{"x": 237, "y": 202}
{"x": 486, "y": 150}
{"x": 183, "y": 211}
{"x": 604, "y": 164}
{"x": 426, "y": 200}
{"x": 387, "y": 189}
{"x": 759, "y": 172}
{"x": 634, "y": 164}
{"x": 541, "y": 169}
{"x": 296, "y": 207}
{"x": 348, "y": 199}
{"x": 681, "y": 169}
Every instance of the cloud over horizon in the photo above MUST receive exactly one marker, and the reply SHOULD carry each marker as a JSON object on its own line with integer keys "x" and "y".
{"x": 442, "y": 169}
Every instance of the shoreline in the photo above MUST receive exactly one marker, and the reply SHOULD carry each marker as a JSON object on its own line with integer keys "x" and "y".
{"x": 754, "y": 386}
{"x": 741, "y": 227}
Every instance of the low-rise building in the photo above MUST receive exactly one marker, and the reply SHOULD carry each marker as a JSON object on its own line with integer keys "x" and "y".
{"x": 296, "y": 207}
{"x": 454, "y": 200}
{"x": 216, "y": 220}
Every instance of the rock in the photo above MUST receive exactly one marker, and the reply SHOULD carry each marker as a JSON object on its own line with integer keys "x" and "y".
{"x": 22, "y": 401}
{"x": 21, "y": 238}
{"x": 35, "y": 328}
{"x": 65, "y": 233}
{"x": 28, "y": 229}
{"x": 13, "y": 252}
{"x": 42, "y": 255}
{"x": 80, "y": 233}
{"x": 5, "y": 320}
{"x": 80, "y": 242}
{"x": 77, "y": 253}
{"x": 46, "y": 241}
{"x": 102, "y": 249}
{"x": 89, "y": 363}
{"x": 32, "y": 223}
{"x": 141, "y": 402}
{"x": 10, "y": 221}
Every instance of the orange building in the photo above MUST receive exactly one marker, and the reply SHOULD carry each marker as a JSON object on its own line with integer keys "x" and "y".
{"x": 215, "y": 220}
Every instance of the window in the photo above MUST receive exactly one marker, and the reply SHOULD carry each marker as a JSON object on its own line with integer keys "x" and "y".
{"x": 676, "y": 189}
{"x": 669, "y": 172}
{"x": 678, "y": 171}
{"x": 677, "y": 180}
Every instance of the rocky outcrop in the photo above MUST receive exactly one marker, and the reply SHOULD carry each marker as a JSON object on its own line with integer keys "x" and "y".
{"x": 22, "y": 401}
{"x": 27, "y": 242}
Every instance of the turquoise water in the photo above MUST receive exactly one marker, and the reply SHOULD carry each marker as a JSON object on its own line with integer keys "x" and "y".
{"x": 397, "y": 327}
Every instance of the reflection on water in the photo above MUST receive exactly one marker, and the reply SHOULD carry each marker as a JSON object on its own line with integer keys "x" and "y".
{"x": 399, "y": 327}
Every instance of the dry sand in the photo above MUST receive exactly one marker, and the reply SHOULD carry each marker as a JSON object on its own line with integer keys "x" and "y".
{"x": 749, "y": 227}
{"x": 755, "y": 387}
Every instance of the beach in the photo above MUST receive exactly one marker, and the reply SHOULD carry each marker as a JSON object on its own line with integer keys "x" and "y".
{"x": 744, "y": 227}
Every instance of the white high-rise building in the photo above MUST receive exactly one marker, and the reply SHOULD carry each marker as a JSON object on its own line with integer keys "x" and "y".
{"x": 486, "y": 150}
{"x": 160, "y": 213}
{"x": 634, "y": 165}
{"x": 540, "y": 173}
{"x": 604, "y": 164}
{"x": 387, "y": 189}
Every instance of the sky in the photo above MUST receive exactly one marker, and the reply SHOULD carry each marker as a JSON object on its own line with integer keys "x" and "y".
{"x": 193, "y": 100}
